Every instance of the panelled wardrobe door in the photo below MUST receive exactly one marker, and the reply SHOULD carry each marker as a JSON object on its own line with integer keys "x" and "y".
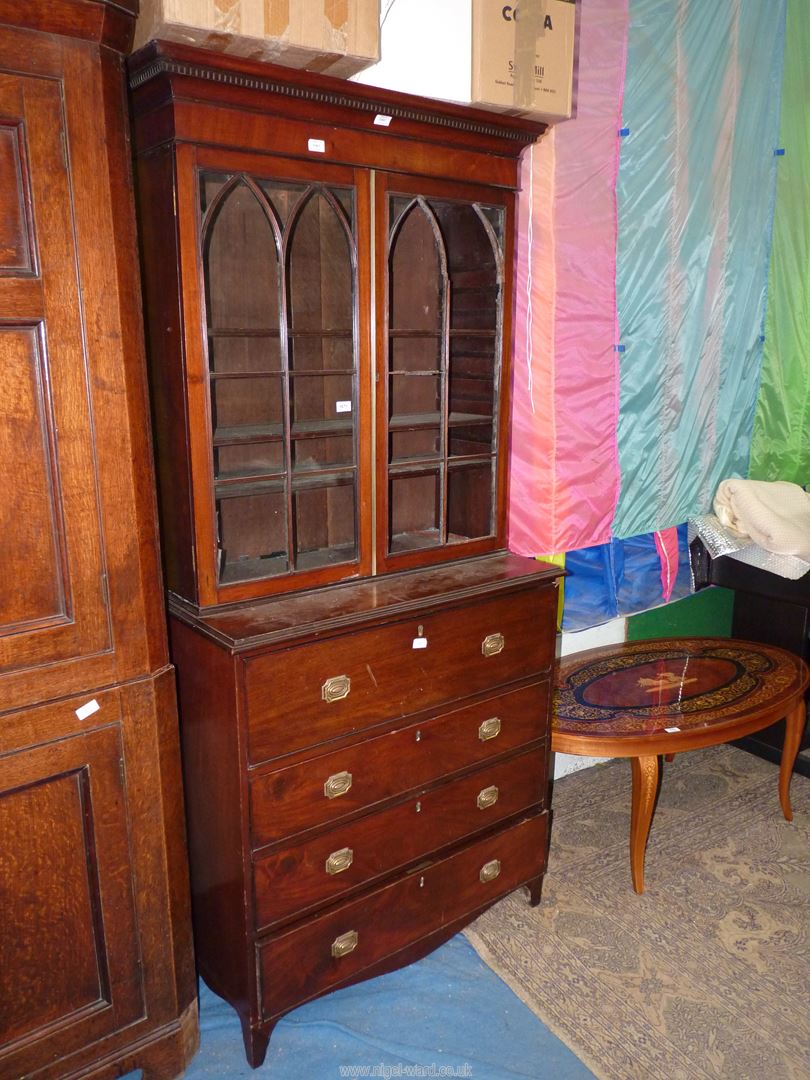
{"x": 56, "y": 611}
{"x": 96, "y": 967}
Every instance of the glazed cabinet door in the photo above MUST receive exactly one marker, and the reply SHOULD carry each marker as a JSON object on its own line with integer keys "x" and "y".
{"x": 69, "y": 963}
{"x": 53, "y": 606}
{"x": 279, "y": 373}
{"x": 442, "y": 320}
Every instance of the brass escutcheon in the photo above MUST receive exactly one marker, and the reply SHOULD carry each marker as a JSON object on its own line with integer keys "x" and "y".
{"x": 344, "y": 944}
{"x": 338, "y": 784}
{"x": 489, "y": 728}
{"x": 488, "y": 796}
{"x": 492, "y": 644}
{"x": 490, "y": 870}
{"x": 339, "y": 861}
{"x": 336, "y": 688}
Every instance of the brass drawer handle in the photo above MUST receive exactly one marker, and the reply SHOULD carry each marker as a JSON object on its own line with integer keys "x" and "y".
{"x": 338, "y": 784}
{"x": 492, "y": 644}
{"x": 488, "y": 796}
{"x": 339, "y": 861}
{"x": 344, "y": 944}
{"x": 490, "y": 870}
{"x": 336, "y": 688}
{"x": 489, "y": 728}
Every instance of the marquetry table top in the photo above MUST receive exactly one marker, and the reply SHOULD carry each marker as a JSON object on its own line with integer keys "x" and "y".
{"x": 695, "y": 691}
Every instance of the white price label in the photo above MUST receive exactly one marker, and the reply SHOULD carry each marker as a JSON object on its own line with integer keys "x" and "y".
{"x": 88, "y": 709}
{"x": 316, "y": 146}
{"x": 343, "y": 406}
{"x": 382, "y": 119}
{"x": 420, "y": 642}
{"x": 671, "y": 730}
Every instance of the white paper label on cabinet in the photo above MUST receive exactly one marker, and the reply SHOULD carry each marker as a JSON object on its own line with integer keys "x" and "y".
{"x": 343, "y": 406}
{"x": 420, "y": 641}
{"x": 87, "y": 710}
{"x": 316, "y": 146}
{"x": 382, "y": 119}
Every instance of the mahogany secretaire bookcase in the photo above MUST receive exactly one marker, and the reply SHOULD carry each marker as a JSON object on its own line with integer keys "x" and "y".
{"x": 96, "y": 967}
{"x": 363, "y": 670}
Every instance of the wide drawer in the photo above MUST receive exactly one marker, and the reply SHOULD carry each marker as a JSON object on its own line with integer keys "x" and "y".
{"x": 293, "y": 879}
{"x": 307, "y": 960}
{"x": 327, "y": 788}
{"x": 306, "y": 695}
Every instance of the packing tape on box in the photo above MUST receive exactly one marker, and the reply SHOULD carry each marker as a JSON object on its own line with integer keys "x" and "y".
{"x": 529, "y": 26}
{"x": 274, "y": 19}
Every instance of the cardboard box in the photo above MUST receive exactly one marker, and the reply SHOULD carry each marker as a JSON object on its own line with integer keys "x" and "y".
{"x": 337, "y": 37}
{"x": 523, "y": 57}
{"x": 461, "y": 50}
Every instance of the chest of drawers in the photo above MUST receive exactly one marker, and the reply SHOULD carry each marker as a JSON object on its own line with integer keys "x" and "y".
{"x": 366, "y": 770}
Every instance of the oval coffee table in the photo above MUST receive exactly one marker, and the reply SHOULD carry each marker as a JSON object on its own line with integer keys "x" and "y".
{"x": 649, "y": 698}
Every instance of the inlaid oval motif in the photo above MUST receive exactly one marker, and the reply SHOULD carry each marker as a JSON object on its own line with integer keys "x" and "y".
{"x": 659, "y": 682}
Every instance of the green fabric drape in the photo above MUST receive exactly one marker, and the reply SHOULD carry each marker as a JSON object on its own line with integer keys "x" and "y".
{"x": 780, "y": 448}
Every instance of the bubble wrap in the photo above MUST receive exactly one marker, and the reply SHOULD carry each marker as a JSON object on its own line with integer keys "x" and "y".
{"x": 718, "y": 540}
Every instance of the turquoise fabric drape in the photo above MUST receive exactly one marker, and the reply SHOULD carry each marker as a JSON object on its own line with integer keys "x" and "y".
{"x": 695, "y": 204}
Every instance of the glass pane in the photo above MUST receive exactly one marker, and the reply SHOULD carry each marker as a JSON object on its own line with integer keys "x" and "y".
{"x": 316, "y": 352}
{"x": 230, "y": 353}
{"x": 211, "y": 183}
{"x": 469, "y": 503}
{"x": 415, "y": 395}
{"x": 413, "y": 445}
{"x": 322, "y": 397}
{"x": 470, "y": 393}
{"x": 325, "y": 531}
{"x": 416, "y": 353}
{"x": 241, "y": 265}
{"x": 248, "y": 459}
{"x": 320, "y": 453}
{"x": 282, "y": 196}
{"x": 472, "y": 266}
{"x": 416, "y": 280}
{"x": 495, "y": 215}
{"x": 251, "y": 459}
{"x": 320, "y": 271}
{"x": 252, "y": 536}
{"x": 463, "y": 441}
{"x": 414, "y": 511}
{"x": 255, "y": 403}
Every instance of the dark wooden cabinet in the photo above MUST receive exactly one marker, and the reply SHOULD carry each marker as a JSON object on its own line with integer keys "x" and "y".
{"x": 96, "y": 967}
{"x": 770, "y": 609}
{"x": 363, "y": 671}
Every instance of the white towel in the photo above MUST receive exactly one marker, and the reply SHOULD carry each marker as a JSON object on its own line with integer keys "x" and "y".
{"x": 775, "y": 514}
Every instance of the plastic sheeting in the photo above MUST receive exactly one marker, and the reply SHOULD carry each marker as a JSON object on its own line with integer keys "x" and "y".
{"x": 623, "y": 577}
{"x": 564, "y": 468}
{"x": 695, "y": 198}
{"x": 780, "y": 448}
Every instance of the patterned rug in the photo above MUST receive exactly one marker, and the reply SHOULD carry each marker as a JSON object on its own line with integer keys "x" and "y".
{"x": 705, "y": 975}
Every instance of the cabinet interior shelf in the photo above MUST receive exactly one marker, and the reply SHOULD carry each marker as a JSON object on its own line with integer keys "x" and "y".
{"x": 277, "y": 373}
{"x": 302, "y": 429}
{"x": 302, "y": 480}
{"x": 453, "y": 332}
{"x": 251, "y": 569}
{"x": 417, "y": 421}
{"x": 413, "y": 466}
{"x": 273, "y": 332}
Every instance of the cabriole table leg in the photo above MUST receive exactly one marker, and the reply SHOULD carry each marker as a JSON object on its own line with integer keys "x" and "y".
{"x": 794, "y": 728}
{"x": 645, "y": 787}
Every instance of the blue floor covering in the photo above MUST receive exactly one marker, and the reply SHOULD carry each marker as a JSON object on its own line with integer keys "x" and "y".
{"x": 448, "y": 1015}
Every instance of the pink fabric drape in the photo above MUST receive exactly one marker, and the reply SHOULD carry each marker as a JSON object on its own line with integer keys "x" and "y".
{"x": 564, "y": 472}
